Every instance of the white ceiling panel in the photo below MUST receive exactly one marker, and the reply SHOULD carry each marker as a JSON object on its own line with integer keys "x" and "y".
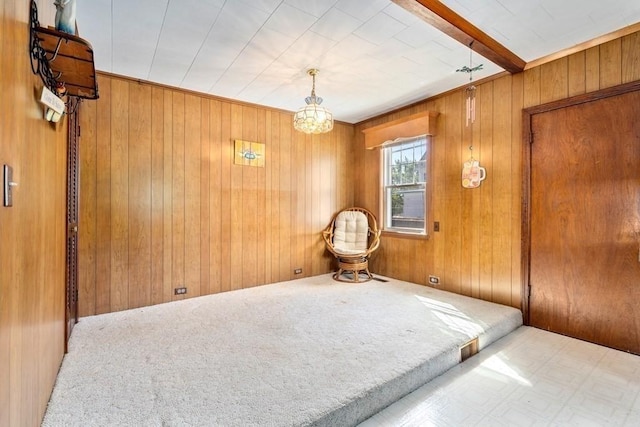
{"x": 373, "y": 56}
{"x": 401, "y": 15}
{"x": 417, "y": 35}
{"x": 134, "y": 36}
{"x": 251, "y": 61}
{"x": 307, "y": 52}
{"x": 241, "y": 17}
{"x": 363, "y": 10}
{"x": 353, "y": 46}
{"x": 336, "y": 25}
{"x": 261, "y": 89}
{"x": 271, "y": 42}
{"x": 268, "y": 6}
{"x": 290, "y": 20}
{"x": 220, "y": 49}
{"x": 393, "y": 49}
{"x": 184, "y": 30}
{"x": 100, "y": 22}
{"x": 316, "y": 8}
{"x": 380, "y": 28}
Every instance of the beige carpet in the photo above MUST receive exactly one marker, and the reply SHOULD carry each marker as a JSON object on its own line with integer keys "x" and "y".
{"x": 305, "y": 352}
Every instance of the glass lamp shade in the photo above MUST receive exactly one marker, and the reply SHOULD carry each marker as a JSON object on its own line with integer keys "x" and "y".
{"x": 313, "y": 118}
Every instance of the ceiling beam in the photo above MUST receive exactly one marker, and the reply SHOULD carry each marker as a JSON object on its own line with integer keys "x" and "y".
{"x": 455, "y": 26}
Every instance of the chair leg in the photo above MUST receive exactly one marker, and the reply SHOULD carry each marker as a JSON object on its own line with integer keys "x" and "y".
{"x": 355, "y": 268}
{"x": 356, "y": 276}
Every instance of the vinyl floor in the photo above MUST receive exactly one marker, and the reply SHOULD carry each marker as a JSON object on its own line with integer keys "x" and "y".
{"x": 529, "y": 378}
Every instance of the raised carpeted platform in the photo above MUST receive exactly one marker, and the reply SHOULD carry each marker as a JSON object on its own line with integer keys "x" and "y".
{"x": 306, "y": 352}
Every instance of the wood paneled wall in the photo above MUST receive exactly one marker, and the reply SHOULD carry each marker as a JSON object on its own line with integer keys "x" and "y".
{"x": 32, "y": 248}
{"x": 163, "y": 205}
{"x": 478, "y": 249}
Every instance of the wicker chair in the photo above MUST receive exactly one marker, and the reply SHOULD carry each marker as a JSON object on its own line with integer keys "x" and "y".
{"x": 351, "y": 237}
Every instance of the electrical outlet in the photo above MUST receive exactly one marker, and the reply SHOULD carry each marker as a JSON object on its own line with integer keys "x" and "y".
{"x": 297, "y": 271}
{"x": 180, "y": 291}
{"x": 436, "y": 226}
{"x": 434, "y": 280}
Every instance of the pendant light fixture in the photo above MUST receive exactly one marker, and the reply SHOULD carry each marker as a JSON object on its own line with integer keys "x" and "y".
{"x": 313, "y": 118}
{"x": 472, "y": 173}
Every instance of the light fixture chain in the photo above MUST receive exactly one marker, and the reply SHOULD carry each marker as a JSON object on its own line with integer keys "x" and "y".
{"x": 470, "y": 61}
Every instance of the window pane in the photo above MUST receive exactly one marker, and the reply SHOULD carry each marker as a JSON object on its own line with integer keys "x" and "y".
{"x": 395, "y": 175}
{"x": 404, "y": 178}
{"x": 406, "y": 163}
{"x": 407, "y": 207}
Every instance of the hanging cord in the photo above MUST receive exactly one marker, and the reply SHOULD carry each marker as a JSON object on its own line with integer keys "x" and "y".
{"x": 470, "y": 61}
{"x": 471, "y": 100}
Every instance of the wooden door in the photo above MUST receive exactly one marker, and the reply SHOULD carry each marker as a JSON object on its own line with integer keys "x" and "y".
{"x": 73, "y": 180}
{"x": 585, "y": 221}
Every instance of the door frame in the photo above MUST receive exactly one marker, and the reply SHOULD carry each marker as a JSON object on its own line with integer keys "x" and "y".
{"x": 527, "y": 139}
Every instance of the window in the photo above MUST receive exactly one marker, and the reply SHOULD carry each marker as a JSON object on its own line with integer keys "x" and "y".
{"x": 405, "y": 185}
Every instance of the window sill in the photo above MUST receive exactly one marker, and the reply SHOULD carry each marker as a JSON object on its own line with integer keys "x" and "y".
{"x": 405, "y": 235}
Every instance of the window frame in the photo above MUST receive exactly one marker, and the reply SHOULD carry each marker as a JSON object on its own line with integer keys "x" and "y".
{"x": 385, "y": 209}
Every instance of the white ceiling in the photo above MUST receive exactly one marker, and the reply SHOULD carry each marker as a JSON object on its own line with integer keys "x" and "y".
{"x": 373, "y": 56}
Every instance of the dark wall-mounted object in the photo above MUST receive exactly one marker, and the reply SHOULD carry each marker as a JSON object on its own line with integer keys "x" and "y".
{"x": 62, "y": 60}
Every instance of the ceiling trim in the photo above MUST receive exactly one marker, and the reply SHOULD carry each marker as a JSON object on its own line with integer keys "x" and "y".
{"x": 455, "y": 26}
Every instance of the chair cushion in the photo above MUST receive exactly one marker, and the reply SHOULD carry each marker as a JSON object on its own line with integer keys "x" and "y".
{"x": 343, "y": 251}
{"x": 351, "y": 233}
